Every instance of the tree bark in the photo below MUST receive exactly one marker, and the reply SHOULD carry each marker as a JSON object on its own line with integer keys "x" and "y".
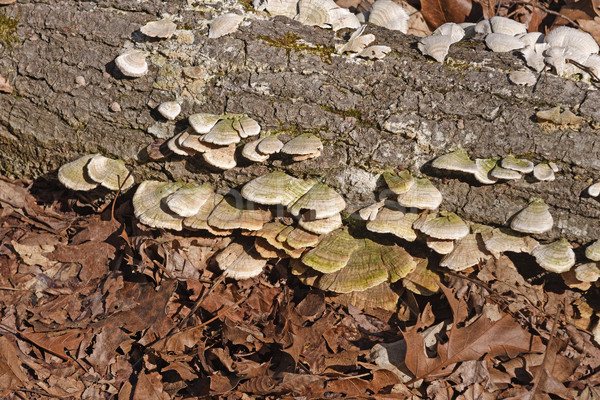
{"x": 399, "y": 112}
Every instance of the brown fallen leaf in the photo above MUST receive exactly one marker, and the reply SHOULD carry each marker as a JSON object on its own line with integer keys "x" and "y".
{"x": 438, "y": 12}
{"x": 486, "y": 335}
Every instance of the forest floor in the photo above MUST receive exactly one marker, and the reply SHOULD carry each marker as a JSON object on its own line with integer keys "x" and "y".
{"x": 94, "y": 305}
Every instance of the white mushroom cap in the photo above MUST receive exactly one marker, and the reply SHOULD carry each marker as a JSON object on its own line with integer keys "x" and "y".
{"x": 543, "y": 172}
{"x": 247, "y": 126}
{"x": 588, "y": 272}
{"x": 593, "y": 251}
{"x": 374, "y": 52}
{"x": 340, "y": 18}
{"x": 594, "y": 189}
{"x": 556, "y": 256}
{"x": 132, "y": 64}
{"x": 535, "y": 218}
{"x": 111, "y": 174}
{"x": 440, "y": 246}
{"x": 357, "y": 42}
{"x": 321, "y": 200}
{"x": 238, "y": 262}
{"x": 435, "y": 46}
{"x": 458, "y": 160}
{"x": 202, "y": 122}
{"x": 224, "y": 25}
{"x": 315, "y": 12}
{"x": 249, "y": 151}
{"x": 422, "y": 194}
{"x": 517, "y": 164}
{"x": 74, "y": 174}
{"x": 222, "y": 133}
{"x": 564, "y": 36}
{"x": 454, "y": 31}
{"x": 270, "y": 145}
{"x": 501, "y": 43}
{"x": 169, "y": 109}
{"x": 483, "y": 168}
{"x": 221, "y": 157}
{"x": 287, "y": 8}
{"x": 159, "y": 29}
{"x": 390, "y": 15}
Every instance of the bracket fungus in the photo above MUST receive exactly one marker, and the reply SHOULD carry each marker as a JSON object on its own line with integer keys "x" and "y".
{"x": 390, "y": 15}
{"x": 594, "y": 189}
{"x": 395, "y": 221}
{"x": 224, "y": 25}
{"x": 332, "y": 253}
{"x": 132, "y": 64}
{"x": 502, "y": 43}
{"x": 543, "y": 172}
{"x": 468, "y": 251}
{"x": 321, "y": 226}
{"x": 275, "y": 188}
{"x": 592, "y": 252}
{"x": 169, "y": 110}
{"x": 320, "y": 200}
{"x": 435, "y": 46}
{"x": 188, "y": 200}
{"x": 270, "y": 145}
{"x": 149, "y": 205}
{"x": 74, "y": 176}
{"x": 163, "y": 29}
{"x": 399, "y": 183}
{"x": 422, "y": 194}
{"x": 517, "y": 164}
{"x": 239, "y": 262}
{"x": 303, "y": 147}
{"x": 556, "y": 257}
{"x": 499, "y": 241}
{"x": 454, "y": 31}
{"x": 457, "y": 160}
{"x": 93, "y": 170}
{"x": 232, "y": 213}
{"x": 535, "y": 218}
{"x": 447, "y": 225}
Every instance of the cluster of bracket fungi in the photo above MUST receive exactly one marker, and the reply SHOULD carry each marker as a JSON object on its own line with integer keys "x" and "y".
{"x": 365, "y": 257}
{"x": 564, "y": 50}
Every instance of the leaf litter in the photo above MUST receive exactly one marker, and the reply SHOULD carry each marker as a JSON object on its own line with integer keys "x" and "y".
{"x": 98, "y": 306}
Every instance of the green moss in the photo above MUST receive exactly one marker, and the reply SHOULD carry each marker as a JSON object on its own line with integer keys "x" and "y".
{"x": 291, "y": 41}
{"x": 8, "y": 30}
{"x": 247, "y": 4}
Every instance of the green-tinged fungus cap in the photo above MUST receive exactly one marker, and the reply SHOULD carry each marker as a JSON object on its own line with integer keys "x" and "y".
{"x": 200, "y": 219}
{"x": 422, "y": 280}
{"x": 231, "y": 213}
{"x": 188, "y": 200}
{"x": 543, "y": 172}
{"x": 504, "y": 173}
{"x": 238, "y": 262}
{"x": 399, "y": 183}
{"x": 221, "y": 157}
{"x": 447, "y": 226}
{"x": 202, "y": 123}
{"x": 517, "y": 164}
{"x": 321, "y": 226}
{"x": 109, "y": 173}
{"x": 588, "y": 272}
{"x": 74, "y": 174}
{"x": 458, "y": 160}
{"x": 394, "y": 221}
{"x": 556, "y": 256}
{"x": 535, "y": 218}
{"x": 440, "y": 246}
{"x": 269, "y": 145}
{"x": 247, "y": 127}
{"x": 468, "y": 251}
{"x": 380, "y": 296}
{"x": 501, "y": 240}
{"x": 332, "y": 253}
{"x": 275, "y": 188}
{"x": 222, "y": 133}
{"x": 300, "y": 238}
{"x": 593, "y": 251}
{"x": 303, "y": 145}
{"x": 320, "y": 199}
{"x": 422, "y": 194}
{"x": 483, "y": 167}
{"x": 149, "y": 207}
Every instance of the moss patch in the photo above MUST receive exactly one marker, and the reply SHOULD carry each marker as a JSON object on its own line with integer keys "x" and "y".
{"x": 291, "y": 41}
{"x": 8, "y": 30}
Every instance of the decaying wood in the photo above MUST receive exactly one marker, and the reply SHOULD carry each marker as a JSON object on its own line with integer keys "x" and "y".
{"x": 400, "y": 112}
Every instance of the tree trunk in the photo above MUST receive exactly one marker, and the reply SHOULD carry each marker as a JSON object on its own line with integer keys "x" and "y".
{"x": 399, "y": 112}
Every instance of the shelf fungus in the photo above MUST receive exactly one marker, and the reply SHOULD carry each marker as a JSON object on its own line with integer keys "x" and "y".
{"x": 234, "y": 213}
{"x": 369, "y": 265}
{"x": 457, "y": 160}
{"x": 517, "y": 164}
{"x": 269, "y": 145}
{"x": 320, "y": 226}
{"x": 188, "y": 200}
{"x": 422, "y": 195}
{"x": 501, "y": 240}
{"x": 239, "y": 262}
{"x": 399, "y": 183}
{"x": 504, "y": 173}
{"x": 502, "y": 43}
{"x": 454, "y": 31}
{"x": 392, "y": 219}
{"x": 320, "y": 201}
{"x": 390, "y": 15}
{"x": 169, "y": 110}
{"x": 275, "y": 188}
{"x": 468, "y": 252}
{"x": 543, "y": 172}
{"x": 132, "y": 64}
{"x": 357, "y": 42}
{"x": 594, "y": 189}
{"x": 588, "y": 272}
{"x": 440, "y": 246}
{"x": 303, "y": 147}
{"x": 315, "y": 12}
{"x": 224, "y": 25}
{"x": 592, "y": 252}
{"x": 447, "y": 226}
{"x": 435, "y": 46}
{"x": 332, "y": 253}
{"x": 163, "y": 29}
{"x": 483, "y": 167}
{"x": 535, "y": 218}
{"x": 93, "y": 170}
{"x": 556, "y": 256}
{"x": 149, "y": 205}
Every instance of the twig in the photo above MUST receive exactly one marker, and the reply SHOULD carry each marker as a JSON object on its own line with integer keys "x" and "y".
{"x": 547, "y": 10}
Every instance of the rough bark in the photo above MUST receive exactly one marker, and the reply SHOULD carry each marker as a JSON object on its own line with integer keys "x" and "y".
{"x": 400, "y": 112}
